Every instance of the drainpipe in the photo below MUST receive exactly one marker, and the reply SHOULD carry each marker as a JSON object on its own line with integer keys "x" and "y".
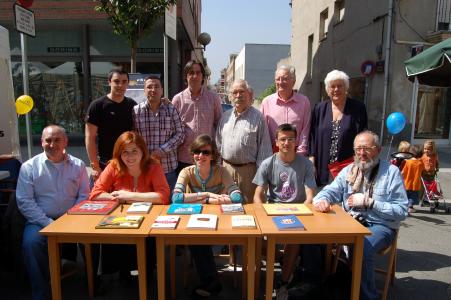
{"x": 386, "y": 66}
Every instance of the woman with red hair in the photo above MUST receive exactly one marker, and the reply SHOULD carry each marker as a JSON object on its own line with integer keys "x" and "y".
{"x": 131, "y": 175}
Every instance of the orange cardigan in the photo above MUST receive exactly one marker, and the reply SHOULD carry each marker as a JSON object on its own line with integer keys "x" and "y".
{"x": 412, "y": 174}
{"x": 153, "y": 181}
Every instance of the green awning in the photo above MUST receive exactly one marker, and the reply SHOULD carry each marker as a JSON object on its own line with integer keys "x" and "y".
{"x": 432, "y": 66}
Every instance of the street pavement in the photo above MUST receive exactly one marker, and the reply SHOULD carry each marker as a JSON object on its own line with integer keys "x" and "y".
{"x": 423, "y": 268}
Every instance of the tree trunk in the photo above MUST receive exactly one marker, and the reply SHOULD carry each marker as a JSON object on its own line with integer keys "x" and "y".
{"x": 133, "y": 59}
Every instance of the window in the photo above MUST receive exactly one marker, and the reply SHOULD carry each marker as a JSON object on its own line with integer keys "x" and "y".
{"x": 339, "y": 10}
{"x": 310, "y": 56}
{"x": 323, "y": 24}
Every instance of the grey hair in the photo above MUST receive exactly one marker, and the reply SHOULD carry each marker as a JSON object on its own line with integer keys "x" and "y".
{"x": 376, "y": 140}
{"x": 57, "y": 127}
{"x": 290, "y": 69}
{"x": 242, "y": 82}
{"x": 336, "y": 75}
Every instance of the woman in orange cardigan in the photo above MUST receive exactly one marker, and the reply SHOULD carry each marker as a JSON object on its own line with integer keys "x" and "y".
{"x": 131, "y": 175}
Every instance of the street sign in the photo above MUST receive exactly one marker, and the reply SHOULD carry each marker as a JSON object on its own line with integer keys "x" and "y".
{"x": 24, "y": 20}
{"x": 367, "y": 68}
{"x": 170, "y": 22}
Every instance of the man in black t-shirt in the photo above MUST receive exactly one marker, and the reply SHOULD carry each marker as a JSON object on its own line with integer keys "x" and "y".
{"x": 106, "y": 119}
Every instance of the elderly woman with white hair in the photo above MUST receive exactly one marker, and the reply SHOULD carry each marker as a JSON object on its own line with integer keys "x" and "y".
{"x": 333, "y": 126}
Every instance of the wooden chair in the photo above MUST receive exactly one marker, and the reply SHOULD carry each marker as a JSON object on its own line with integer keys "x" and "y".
{"x": 390, "y": 269}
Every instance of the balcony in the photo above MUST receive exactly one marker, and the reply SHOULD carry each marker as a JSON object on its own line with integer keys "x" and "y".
{"x": 443, "y": 22}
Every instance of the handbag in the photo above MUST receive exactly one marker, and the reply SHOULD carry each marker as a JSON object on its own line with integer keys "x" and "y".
{"x": 337, "y": 166}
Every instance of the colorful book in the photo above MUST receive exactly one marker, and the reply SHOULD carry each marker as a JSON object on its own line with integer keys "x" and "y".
{"x": 202, "y": 221}
{"x": 139, "y": 208}
{"x": 231, "y": 209}
{"x": 166, "y": 222}
{"x": 184, "y": 209}
{"x": 130, "y": 222}
{"x": 278, "y": 209}
{"x": 93, "y": 207}
{"x": 243, "y": 222}
{"x": 290, "y": 222}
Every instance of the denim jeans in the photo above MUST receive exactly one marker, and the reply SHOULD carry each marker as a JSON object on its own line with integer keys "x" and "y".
{"x": 381, "y": 238}
{"x": 413, "y": 196}
{"x": 171, "y": 178}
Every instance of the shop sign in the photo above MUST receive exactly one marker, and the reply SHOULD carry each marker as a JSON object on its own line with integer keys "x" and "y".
{"x": 63, "y": 49}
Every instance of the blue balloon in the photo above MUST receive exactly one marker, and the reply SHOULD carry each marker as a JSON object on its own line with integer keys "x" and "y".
{"x": 395, "y": 122}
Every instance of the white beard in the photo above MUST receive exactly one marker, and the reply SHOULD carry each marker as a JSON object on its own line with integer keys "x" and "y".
{"x": 366, "y": 166}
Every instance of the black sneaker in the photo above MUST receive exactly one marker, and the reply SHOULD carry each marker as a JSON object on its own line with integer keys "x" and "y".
{"x": 208, "y": 290}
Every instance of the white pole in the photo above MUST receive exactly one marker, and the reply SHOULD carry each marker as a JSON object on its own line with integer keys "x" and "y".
{"x": 165, "y": 66}
{"x": 23, "y": 42}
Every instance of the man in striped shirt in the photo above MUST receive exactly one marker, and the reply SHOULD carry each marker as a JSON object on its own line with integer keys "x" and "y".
{"x": 243, "y": 139}
{"x": 160, "y": 125}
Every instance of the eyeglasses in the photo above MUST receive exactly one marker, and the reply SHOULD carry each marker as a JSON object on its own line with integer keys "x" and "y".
{"x": 204, "y": 152}
{"x": 364, "y": 149}
{"x": 290, "y": 139}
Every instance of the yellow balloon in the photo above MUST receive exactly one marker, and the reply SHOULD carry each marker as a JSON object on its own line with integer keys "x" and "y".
{"x": 24, "y": 104}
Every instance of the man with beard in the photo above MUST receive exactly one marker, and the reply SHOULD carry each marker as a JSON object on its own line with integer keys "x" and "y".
{"x": 375, "y": 189}
{"x": 243, "y": 139}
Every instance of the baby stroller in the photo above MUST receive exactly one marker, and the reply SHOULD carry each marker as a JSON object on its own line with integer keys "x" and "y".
{"x": 433, "y": 195}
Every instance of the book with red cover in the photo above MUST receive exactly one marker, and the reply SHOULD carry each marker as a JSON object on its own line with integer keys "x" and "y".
{"x": 93, "y": 207}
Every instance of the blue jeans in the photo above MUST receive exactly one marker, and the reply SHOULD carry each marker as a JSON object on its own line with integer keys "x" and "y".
{"x": 34, "y": 247}
{"x": 413, "y": 196}
{"x": 381, "y": 238}
{"x": 171, "y": 178}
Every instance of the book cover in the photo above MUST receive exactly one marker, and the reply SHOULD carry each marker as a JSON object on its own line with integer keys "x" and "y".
{"x": 166, "y": 222}
{"x": 290, "y": 222}
{"x": 93, "y": 207}
{"x": 130, "y": 222}
{"x": 202, "y": 221}
{"x": 244, "y": 221}
{"x": 139, "y": 208}
{"x": 278, "y": 209}
{"x": 184, "y": 209}
{"x": 230, "y": 209}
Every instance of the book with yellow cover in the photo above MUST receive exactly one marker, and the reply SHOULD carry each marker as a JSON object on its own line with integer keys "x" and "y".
{"x": 130, "y": 222}
{"x": 279, "y": 209}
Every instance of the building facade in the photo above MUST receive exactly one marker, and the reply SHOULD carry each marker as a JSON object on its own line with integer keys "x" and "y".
{"x": 370, "y": 40}
{"x": 75, "y": 48}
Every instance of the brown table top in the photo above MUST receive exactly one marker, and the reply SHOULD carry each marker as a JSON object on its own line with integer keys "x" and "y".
{"x": 336, "y": 222}
{"x": 84, "y": 225}
{"x": 224, "y": 226}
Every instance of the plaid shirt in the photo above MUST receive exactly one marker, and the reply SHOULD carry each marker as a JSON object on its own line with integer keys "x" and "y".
{"x": 161, "y": 130}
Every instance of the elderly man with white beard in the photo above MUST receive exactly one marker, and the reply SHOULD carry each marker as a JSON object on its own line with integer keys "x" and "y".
{"x": 374, "y": 189}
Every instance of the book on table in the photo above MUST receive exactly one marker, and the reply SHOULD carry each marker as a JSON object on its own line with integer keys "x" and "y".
{"x": 202, "y": 221}
{"x": 130, "y": 222}
{"x": 139, "y": 208}
{"x": 93, "y": 207}
{"x": 243, "y": 221}
{"x": 166, "y": 222}
{"x": 184, "y": 209}
{"x": 290, "y": 222}
{"x": 278, "y": 209}
{"x": 231, "y": 209}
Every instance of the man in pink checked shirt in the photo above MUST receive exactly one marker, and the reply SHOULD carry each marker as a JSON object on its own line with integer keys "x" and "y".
{"x": 199, "y": 108}
{"x": 287, "y": 106}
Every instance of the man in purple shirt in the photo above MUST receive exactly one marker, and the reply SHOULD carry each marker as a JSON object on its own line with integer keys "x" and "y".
{"x": 287, "y": 106}
{"x": 199, "y": 108}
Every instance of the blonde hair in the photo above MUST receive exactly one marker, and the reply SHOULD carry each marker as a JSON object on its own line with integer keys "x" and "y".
{"x": 432, "y": 143}
{"x": 404, "y": 146}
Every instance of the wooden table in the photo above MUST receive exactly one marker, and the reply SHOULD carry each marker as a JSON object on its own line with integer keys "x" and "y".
{"x": 81, "y": 229}
{"x": 321, "y": 228}
{"x": 222, "y": 236}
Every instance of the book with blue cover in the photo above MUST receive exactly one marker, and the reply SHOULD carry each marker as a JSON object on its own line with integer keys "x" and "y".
{"x": 184, "y": 209}
{"x": 290, "y": 222}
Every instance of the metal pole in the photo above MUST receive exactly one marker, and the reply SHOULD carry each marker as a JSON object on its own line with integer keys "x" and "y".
{"x": 23, "y": 42}
{"x": 165, "y": 67}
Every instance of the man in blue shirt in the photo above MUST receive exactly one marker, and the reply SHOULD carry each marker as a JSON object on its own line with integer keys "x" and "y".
{"x": 49, "y": 184}
{"x": 373, "y": 189}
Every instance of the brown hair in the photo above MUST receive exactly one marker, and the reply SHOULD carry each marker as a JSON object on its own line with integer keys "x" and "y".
{"x": 118, "y": 71}
{"x": 127, "y": 138}
{"x": 286, "y": 127}
{"x": 202, "y": 141}
{"x": 188, "y": 67}
{"x": 416, "y": 151}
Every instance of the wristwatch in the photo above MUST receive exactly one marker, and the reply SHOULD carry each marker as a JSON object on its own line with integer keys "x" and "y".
{"x": 207, "y": 200}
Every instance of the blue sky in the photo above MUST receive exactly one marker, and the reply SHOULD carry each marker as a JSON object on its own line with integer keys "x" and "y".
{"x": 232, "y": 23}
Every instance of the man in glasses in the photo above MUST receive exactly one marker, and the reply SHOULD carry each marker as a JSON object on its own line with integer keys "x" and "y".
{"x": 288, "y": 177}
{"x": 199, "y": 108}
{"x": 243, "y": 139}
{"x": 374, "y": 188}
{"x": 160, "y": 125}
